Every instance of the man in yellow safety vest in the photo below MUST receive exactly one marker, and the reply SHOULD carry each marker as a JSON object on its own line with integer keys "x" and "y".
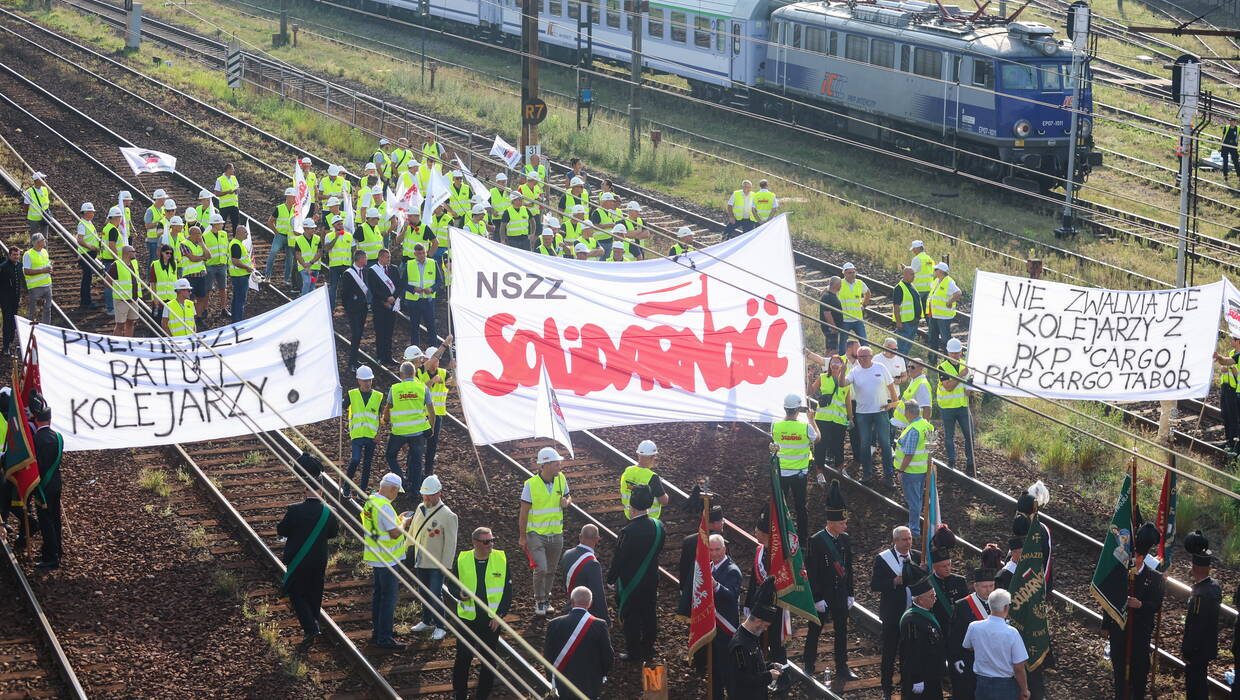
{"x": 544, "y": 497}
{"x": 484, "y": 576}
{"x": 226, "y": 189}
{"x": 913, "y": 460}
{"x": 407, "y": 410}
{"x": 853, "y": 296}
{"x": 941, "y": 307}
{"x": 740, "y": 211}
{"x": 386, "y": 543}
{"x": 179, "y": 313}
{"x": 792, "y": 441}
{"x": 954, "y": 404}
{"x": 643, "y": 473}
{"x": 923, "y": 270}
{"x": 38, "y": 200}
{"x": 362, "y": 409}
{"x": 37, "y": 268}
{"x": 126, "y": 282}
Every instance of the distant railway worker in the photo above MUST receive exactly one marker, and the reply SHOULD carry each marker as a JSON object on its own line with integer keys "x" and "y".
{"x": 832, "y": 418}
{"x": 764, "y": 203}
{"x": 435, "y": 377}
{"x": 49, "y": 447}
{"x": 533, "y": 191}
{"x": 418, "y": 282}
{"x": 740, "y": 211}
{"x": 126, "y": 281}
{"x": 281, "y": 222}
{"x": 516, "y": 221}
{"x": 912, "y": 460}
{"x": 1229, "y": 382}
{"x": 88, "y": 249}
{"x": 941, "y": 308}
{"x": 178, "y": 314}
{"x": 338, "y": 244}
{"x": 216, "y": 241}
{"x": 163, "y": 279}
{"x": 477, "y": 222}
{"x": 617, "y": 253}
{"x": 306, "y": 527}
{"x": 1231, "y": 136}
{"x": 226, "y": 188}
{"x": 193, "y": 263}
{"x": 643, "y": 473}
{"x": 382, "y": 159}
{"x": 607, "y": 215}
{"x": 581, "y": 251}
{"x": 547, "y": 244}
{"x": 11, "y": 285}
{"x": 792, "y": 441}
{"x": 581, "y": 567}
{"x": 386, "y": 543}
{"x": 580, "y": 645}
{"x": 38, "y": 200}
{"x": 37, "y": 268}
{"x": 362, "y": 409}
{"x": 954, "y": 404}
{"x": 334, "y": 185}
{"x": 831, "y": 317}
{"x": 635, "y": 230}
{"x": 484, "y": 572}
{"x": 907, "y": 309}
{"x": 501, "y": 200}
{"x": 433, "y": 532}
{"x": 875, "y": 394}
{"x": 635, "y": 574}
{"x": 111, "y": 239}
{"x": 240, "y": 269}
{"x": 923, "y": 271}
{"x": 684, "y": 242}
{"x": 204, "y": 210}
{"x": 406, "y": 410}
{"x": 460, "y": 198}
{"x": 918, "y": 390}
{"x": 534, "y": 167}
{"x": 854, "y": 295}
{"x": 432, "y": 150}
{"x": 575, "y": 196}
{"x": 153, "y": 221}
{"x": 401, "y": 157}
{"x": 540, "y": 526}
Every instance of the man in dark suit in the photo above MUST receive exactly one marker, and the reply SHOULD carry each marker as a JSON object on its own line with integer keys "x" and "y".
{"x": 1200, "y": 645}
{"x": 727, "y": 577}
{"x": 830, "y": 569}
{"x": 635, "y": 573}
{"x": 1143, "y": 605}
{"x": 12, "y": 281}
{"x": 889, "y": 582}
{"x": 688, "y": 552}
{"x": 579, "y": 645}
{"x": 306, "y": 527}
{"x": 582, "y": 568}
{"x": 353, "y": 289}
{"x": 381, "y": 280}
{"x": 923, "y": 647}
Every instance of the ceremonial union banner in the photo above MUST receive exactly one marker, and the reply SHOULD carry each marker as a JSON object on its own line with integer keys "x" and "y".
{"x": 713, "y": 336}
{"x": 108, "y": 392}
{"x": 144, "y": 160}
{"x": 1062, "y": 341}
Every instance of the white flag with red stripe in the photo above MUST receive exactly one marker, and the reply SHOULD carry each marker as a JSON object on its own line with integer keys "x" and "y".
{"x": 549, "y": 419}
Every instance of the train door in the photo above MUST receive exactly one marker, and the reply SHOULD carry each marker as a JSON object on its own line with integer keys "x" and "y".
{"x": 782, "y": 39}
{"x": 951, "y": 94}
{"x": 734, "y": 34}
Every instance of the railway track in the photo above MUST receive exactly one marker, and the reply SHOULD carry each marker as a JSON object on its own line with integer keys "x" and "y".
{"x": 32, "y": 662}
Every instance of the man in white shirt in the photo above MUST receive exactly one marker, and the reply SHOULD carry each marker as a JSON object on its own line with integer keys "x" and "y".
{"x": 999, "y": 654}
{"x": 875, "y": 394}
{"x": 894, "y": 363}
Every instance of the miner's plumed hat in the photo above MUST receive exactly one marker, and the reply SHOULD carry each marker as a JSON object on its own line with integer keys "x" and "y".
{"x": 716, "y": 514}
{"x": 942, "y": 544}
{"x": 762, "y": 523}
{"x": 992, "y": 560}
{"x": 38, "y": 406}
{"x": 921, "y": 582}
{"x": 1020, "y": 528}
{"x": 1146, "y": 538}
{"x": 1197, "y": 545}
{"x": 764, "y": 607}
{"x": 641, "y": 498}
{"x": 837, "y": 509}
{"x": 309, "y": 466}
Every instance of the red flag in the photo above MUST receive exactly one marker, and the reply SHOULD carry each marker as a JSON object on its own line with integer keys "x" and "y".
{"x": 702, "y": 605}
{"x": 20, "y": 466}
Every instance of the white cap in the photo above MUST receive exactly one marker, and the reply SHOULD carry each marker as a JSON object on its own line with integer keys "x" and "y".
{"x": 170, "y": 204}
{"x": 372, "y": 213}
{"x": 617, "y": 245}
{"x": 620, "y": 229}
{"x": 548, "y": 454}
{"x": 479, "y": 209}
{"x": 606, "y": 197}
{"x": 430, "y": 486}
{"x": 848, "y": 266}
{"x": 792, "y": 401}
{"x": 501, "y": 177}
{"x": 941, "y": 266}
{"x": 456, "y": 173}
{"x": 633, "y": 206}
{"x": 552, "y": 222}
{"x": 413, "y": 352}
{"x": 174, "y": 221}
{"x": 202, "y": 194}
{"x": 684, "y": 231}
{"x": 372, "y": 166}
{"x": 124, "y": 195}
{"x": 308, "y": 223}
{"x": 391, "y": 479}
{"x": 915, "y": 245}
{"x": 578, "y": 209}
{"x": 305, "y": 161}
{"x": 384, "y": 142}
{"x": 576, "y": 181}
{"x": 954, "y": 345}
{"x": 533, "y": 175}
{"x": 547, "y": 232}
{"x": 191, "y": 214}
{"x": 216, "y": 218}
{"x": 647, "y": 448}
{"x": 87, "y": 206}
{"x": 365, "y": 372}
{"x": 333, "y": 170}
{"x": 159, "y": 194}
{"x": 38, "y": 176}
{"x": 581, "y": 248}
{"x": 183, "y": 284}
{"x": 290, "y": 192}
{"x": 114, "y": 211}
{"x": 333, "y": 202}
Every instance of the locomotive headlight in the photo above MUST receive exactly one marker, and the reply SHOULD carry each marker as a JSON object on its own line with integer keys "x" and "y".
{"x": 1022, "y": 128}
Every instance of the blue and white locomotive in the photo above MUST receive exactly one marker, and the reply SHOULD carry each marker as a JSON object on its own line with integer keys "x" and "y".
{"x": 911, "y": 75}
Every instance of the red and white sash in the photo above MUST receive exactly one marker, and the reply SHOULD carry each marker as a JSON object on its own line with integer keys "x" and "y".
{"x": 570, "y": 577}
{"x": 979, "y": 612}
{"x": 723, "y": 625}
{"x": 574, "y": 640}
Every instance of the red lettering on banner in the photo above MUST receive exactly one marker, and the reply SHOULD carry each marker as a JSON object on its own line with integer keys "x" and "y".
{"x": 661, "y": 355}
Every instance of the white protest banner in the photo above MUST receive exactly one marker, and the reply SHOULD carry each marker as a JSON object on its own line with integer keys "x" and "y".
{"x": 504, "y": 151}
{"x": 108, "y": 392}
{"x": 1231, "y": 309}
{"x": 1067, "y": 342}
{"x": 438, "y": 189}
{"x": 715, "y": 336}
{"x": 144, "y": 160}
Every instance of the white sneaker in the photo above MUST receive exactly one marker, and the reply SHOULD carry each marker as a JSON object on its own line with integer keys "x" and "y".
{"x": 438, "y": 634}
{"x": 822, "y": 480}
{"x": 540, "y": 608}
{"x": 420, "y": 627}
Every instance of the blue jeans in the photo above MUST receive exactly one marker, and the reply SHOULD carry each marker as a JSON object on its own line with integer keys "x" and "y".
{"x": 383, "y": 604}
{"x": 432, "y": 579}
{"x": 953, "y": 417}
{"x": 940, "y": 331}
{"x": 307, "y": 282}
{"x": 432, "y": 444}
{"x": 914, "y": 486}
{"x": 421, "y": 313}
{"x": 363, "y": 453}
{"x": 412, "y": 473}
{"x": 853, "y": 328}
{"x": 333, "y": 282}
{"x": 871, "y": 428}
{"x": 996, "y": 688}
{"x": 279, "y": 243}
{"x": 107, "y": 298}
{"x": 905, "y": 337}
{"x": 152, "y": 251}
{"x": 240, "y": 288}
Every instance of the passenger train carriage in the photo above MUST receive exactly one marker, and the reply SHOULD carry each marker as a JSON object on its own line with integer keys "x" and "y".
{"x": 910, "y": 75}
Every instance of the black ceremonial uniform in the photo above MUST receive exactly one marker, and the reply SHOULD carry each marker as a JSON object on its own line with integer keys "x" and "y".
{"x": 750, "y": 673}
{"x": 49, "y": 449}
{"x": 774, "y": 634}
{"x": 637, "y": 588}
{"x": 304, "y": 583}
{"x": 1149, "y": 589}
{"x": 923, "y": 654}
{"x": 1235, "y": 642}
{"x": 893, "y": 600}
{"x": 1200, "y": 637}
{"x": 949, "y": 590}
{"x": 960, "y": 660}
{"x": 830, "y": 569}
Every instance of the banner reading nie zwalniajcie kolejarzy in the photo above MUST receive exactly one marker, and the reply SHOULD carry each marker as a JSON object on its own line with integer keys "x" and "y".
{"x": 108, "y": 392}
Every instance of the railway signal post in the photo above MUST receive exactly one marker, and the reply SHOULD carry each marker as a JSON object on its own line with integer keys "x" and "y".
{"x": 1187, "y": 78}
{"x": 637, "y": 23}
{"x": 1078, "y": 29}
{"x": 529, "y": 78}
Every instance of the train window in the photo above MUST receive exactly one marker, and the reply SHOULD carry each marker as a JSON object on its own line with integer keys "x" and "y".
{"x": 736, "y": 38}
{"x": 557, "y": 7}
{"x": 815, "y": 40}
{"x": 833, "y": 47}
{"x": 905, "y": 52}
{"x": 1056, "y": 76}
{"x": 883, "y": 53}
{"x": 983, "y": 74}
{"x": 856, "y": 48}
{"x": 701, "y": 32}
{"x": 574, "y": 10}
{"x": 594, "y": 12}
{"x": 613, "y": 13}
{"x": 1018, "y": 76}
{"x": 678, "y": 27}
{"x": 928, "y": 62}
{"x": 956, "y": 68}
{"x": 721, "y": 30}
{"x": 654, "y": 27}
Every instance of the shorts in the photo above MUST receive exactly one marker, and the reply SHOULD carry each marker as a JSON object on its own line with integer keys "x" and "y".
{"x": 199, "y": 285}
{"x": 216, "y": 277}
{"x": 125, "y": 311}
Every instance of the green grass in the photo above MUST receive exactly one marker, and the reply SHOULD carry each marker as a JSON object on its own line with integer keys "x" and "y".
{"x": 155, "y": 481}
{"x": 225, "y": 584}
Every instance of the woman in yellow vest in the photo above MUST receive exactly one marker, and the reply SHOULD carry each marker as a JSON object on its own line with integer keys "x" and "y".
{"x": 179, "y": 313}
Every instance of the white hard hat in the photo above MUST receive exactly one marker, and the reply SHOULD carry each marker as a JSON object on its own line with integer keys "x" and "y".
{"x": 124, "y": 195}
{"x": 684, "y": 231}
{"x": 290, "y": 192}
{"x": 617, "y": 245}
{"x": 915, "y": 245}
{"x": 115, "y": 211}
{"x": 159, "y": 194}
{"x": 633, "y": 206}
{"x": 578, "y": 209}
{"x": 333, "y": 201}
{"x": 87, "y": 206}
{"x": 174, "y": 221}
{"x": 170, "y": 204}
{"x": 848, "y": 266}
{"x": 479, "y": 209}
{"x": 581, "y": 248}
{"x": 552, "y": 222}
{"x": 372, "y": 213}
{"x": 191, "y": 214}
{"x": 941, "y": 266}
{"x": 547, "y": 232}
{"x": 365, "y": 372}
{"x": 456, "y": 173}
{"x": 372, "y": 166}
{"x": 576, "y": 181}
{"x": 305, "y": 161}
{"x": 309, "y": 223}
{"x": 548, "y": 454}
{"x": 333, "y": 170}
{"x": 533, "y": 175}
{"x": 38, "y": 176}
{"x": 216, "y": 218}
{"x": 619, "y": 228}
{"x": 391, "y": 479}
{"x": 954, "y": 345}
{"x": 430, "y": 486}
{"x": 413, "y": 352}
{"x": 183, "y": 284}
{"x": 384, "y": 142}
{"x": 501, "y": 177}
{"x": 792, "y": 401}
{"x": 412, "y": 163}
{"x": 647, "y": 448}
{"x": 606, "y": 197}
{"x": 203, "y": 194}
